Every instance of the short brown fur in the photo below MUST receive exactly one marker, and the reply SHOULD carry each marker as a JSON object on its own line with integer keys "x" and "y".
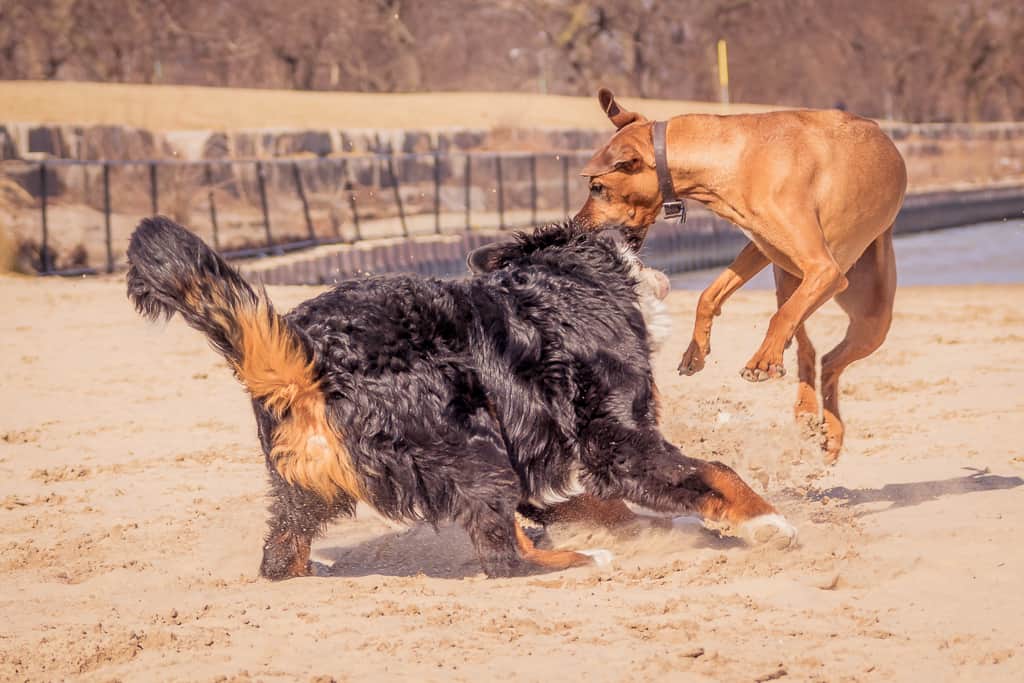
{"x": 816, "y": 192}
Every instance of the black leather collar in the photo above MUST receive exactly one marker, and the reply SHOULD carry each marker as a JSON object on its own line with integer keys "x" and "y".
{"x": 673, "y": 205}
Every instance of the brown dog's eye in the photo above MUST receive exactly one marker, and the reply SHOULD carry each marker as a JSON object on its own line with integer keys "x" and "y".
{"x": 596, "y": 189}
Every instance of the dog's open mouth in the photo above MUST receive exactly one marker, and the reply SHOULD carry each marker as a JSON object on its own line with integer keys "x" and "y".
{"x": 635, "y": 237}
{"x": 621, "y": 234}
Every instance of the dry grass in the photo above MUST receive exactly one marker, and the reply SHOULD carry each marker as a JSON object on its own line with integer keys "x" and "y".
{"x": 164, "y": 108}
{"x": 7, "y": 251}
{"x": 12, "y": 198}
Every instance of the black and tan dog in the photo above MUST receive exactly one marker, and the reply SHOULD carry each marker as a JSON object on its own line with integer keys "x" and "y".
{"x": 446, "y": 401}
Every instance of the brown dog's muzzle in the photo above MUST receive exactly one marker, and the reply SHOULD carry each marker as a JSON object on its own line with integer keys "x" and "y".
{"x": 635, "y": 237}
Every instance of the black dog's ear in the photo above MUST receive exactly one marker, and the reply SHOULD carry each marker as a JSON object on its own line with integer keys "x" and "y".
{"x": 486, "y": 258}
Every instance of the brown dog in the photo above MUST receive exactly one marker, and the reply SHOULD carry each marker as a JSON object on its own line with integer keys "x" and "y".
{"x": 815, "y": 191}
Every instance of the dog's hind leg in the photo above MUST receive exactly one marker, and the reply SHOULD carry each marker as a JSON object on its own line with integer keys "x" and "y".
{"x": 488, "y": 498}
{"x": 868, "y": 303}
{"x": 557, "y": 559}
{"x": 297, "y": 515}
{"x": 806, "y": 407}
{"x": 505, "y": 550}
{"x": 748, "y": 263}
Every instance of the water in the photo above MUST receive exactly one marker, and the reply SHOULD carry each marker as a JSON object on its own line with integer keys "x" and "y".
{"x": 982, "y": 253}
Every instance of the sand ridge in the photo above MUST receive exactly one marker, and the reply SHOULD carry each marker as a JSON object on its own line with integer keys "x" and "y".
{"x": 175, "y": 107}
{"x": 132, "y": 495}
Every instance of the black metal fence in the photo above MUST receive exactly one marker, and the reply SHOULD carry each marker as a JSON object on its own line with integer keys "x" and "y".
{"x": 79, "y": 214}
{"x": 258, "y": 207}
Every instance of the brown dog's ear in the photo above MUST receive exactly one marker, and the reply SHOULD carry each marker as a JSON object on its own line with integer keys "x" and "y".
{"x": 619, "y": 116}
{"x": 486, "y": 258}
{"x": 618, "y": 156}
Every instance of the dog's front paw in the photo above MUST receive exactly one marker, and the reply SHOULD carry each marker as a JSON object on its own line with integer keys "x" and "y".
{"x": 693, "y": 359}
{"x": 831, "y": 448}
{"x": 770, "y": 529}
{"x": 757, "y": 374}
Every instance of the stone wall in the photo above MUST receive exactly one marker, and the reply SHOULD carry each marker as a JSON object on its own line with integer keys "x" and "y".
{"x": 97, "y": 143}
{"x": 937, "y": 154}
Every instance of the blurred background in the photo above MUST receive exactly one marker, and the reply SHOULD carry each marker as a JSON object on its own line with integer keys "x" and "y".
{"x": 288, "y": 130}
{"x": 913, "y": 60}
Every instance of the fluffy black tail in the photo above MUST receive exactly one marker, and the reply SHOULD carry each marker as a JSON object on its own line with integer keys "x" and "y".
{"x": 173, "y": 271}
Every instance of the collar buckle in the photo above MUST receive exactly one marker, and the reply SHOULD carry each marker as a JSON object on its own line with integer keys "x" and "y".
{"x": 675, "y": 210}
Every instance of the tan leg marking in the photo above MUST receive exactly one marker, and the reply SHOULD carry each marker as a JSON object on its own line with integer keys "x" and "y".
{"x": 549, "y": 559}
{"x": 730, "y": 499}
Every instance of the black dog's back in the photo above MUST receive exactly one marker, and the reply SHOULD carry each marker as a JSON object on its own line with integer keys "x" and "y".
{"x": 534, "y": 350}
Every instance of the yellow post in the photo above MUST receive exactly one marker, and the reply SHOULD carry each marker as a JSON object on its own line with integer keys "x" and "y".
{"x": 723, "y": 71}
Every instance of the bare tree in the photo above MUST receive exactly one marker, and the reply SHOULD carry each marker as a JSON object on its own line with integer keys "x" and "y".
{"x": 914, "y": 59}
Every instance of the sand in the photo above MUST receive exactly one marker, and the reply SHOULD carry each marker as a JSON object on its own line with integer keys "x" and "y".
{"x": 175, "y": 107}
{"x": 132, "y": 500}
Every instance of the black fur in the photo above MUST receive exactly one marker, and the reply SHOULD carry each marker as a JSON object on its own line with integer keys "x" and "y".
{"x": 460, "y": 400}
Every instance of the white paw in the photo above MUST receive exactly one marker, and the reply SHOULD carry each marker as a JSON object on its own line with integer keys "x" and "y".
{"x": 601, "y": 557}
{"x": 769, "y": 529}
{"x": 687, "y": 522}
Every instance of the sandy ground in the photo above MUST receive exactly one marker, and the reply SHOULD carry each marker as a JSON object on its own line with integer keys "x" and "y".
{"x": 173, "y": 107}
{"x": 132, "y": 506}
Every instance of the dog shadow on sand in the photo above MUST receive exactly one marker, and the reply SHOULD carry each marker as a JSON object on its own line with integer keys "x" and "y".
{"x": 447, "y": 553}
{"x": 915, "y": 493}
